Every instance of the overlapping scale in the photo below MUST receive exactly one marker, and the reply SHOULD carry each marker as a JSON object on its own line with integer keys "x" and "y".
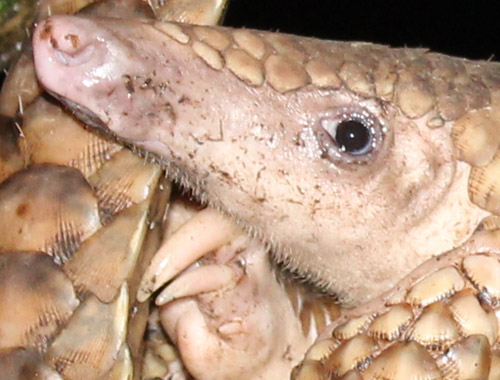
{"x": 403, "y": 361}
{"x": 21, "y": 87}
{"x": 434, "y": 328}
{"x": 92, "y": 338}
{"x": 440, "y": 323}
{"x": 47, "y": 129}
{"x": 468, "y": 359}
{"x": 122, "y": 181}
{"x": 49, "y": 208}
{"x": 389, "y": 325}
{"x": 36, "y": 300}
{"x": 484, "y": 272}
{"x": 435, "y": 287}
{"x": 25, "y": 364}
{"x": 353, "y": 327}
{"x": 352, "y": 353}
{"x": 472, "y": 317}
{"x": 107, "y": 259}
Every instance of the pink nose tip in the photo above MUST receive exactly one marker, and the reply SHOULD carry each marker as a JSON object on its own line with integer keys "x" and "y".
{"x": 70, "y": 47}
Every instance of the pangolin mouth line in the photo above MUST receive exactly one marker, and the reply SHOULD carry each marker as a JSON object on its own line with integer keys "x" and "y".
{"x": 89, "y": 118}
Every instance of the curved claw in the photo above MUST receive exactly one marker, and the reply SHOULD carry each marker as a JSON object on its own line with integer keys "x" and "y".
{"x": 207, "y": 278}
{"x": 206, "y": 231}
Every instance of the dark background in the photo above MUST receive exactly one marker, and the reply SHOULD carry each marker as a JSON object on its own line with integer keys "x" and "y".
{"x": 468, "y": 29}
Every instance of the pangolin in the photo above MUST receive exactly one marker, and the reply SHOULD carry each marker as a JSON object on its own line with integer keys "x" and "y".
{"x": 354, "y": 162}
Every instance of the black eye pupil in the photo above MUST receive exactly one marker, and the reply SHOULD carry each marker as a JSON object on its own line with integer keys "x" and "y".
{"x": 353, "y": 136}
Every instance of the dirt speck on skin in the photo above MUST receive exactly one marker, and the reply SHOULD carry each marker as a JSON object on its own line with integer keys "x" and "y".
{"x": 73, "y": 38}
{"x": 53, "y": 43}
{"x": 129, "y": 84}
{"x": 47, "y": 31}
{"x": 171, "y": 112}
{"x": 22, "y": 209}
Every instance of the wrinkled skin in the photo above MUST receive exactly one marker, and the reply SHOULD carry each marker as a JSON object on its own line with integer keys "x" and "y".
{"x": 303, "y": 202}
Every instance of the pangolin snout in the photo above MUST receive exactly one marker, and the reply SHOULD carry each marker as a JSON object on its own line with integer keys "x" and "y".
{"x": 66, "y": 49}
{"x": 64, "y": 42}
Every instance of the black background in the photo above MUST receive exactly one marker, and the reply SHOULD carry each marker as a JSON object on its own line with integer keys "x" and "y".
{"x": 468, "y": 29}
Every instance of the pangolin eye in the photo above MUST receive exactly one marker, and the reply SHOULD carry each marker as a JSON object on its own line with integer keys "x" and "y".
{"x": 350, "y": 135}
{"x": 354, "y": 137}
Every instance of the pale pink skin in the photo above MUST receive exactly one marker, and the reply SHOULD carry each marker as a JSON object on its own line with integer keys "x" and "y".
{"x": 248, "y": 331}
{"x": 356, "y": 230}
